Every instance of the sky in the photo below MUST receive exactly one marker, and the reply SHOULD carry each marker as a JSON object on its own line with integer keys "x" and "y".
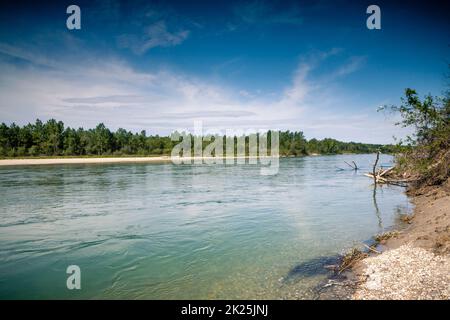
{"x": 252, "y": 65}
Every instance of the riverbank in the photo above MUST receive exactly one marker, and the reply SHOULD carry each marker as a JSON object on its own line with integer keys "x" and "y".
{"x": 104, "y": 160}
{"x": 415, "y": 262}
{"x": 80, "y": 160}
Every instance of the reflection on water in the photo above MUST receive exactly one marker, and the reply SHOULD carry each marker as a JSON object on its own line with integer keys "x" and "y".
{"x": 163, "y": 231}
{"x": 377, "y": 210}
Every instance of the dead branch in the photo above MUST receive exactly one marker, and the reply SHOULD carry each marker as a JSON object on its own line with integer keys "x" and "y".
{"x": 376, "y": 177}
{"x": 375, "y": 167}
{"x": 349, "y": 165}
{"x": 385, "y": 171}
{"x": 379, "y": 176}
{"x": 353, "y": 166}
{"x": 371, "y": 249}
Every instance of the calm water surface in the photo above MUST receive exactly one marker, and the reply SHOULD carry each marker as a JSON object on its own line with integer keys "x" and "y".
{"x": 164, "y": 231}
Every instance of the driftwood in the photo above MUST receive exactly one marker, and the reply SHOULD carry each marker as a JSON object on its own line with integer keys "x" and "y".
{"x": 382, "y": 180}
{"x": 371, "y": 249}
{"x": 353, "y": 165}
{"x": 385, "y": 171}
{"x": 381, "y": 176}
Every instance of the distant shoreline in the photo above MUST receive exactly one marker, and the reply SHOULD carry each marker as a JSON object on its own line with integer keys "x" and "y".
{"x": 101, "y": 160}
{"x": 44, "y": 161}
{"x": 25, "y": 161}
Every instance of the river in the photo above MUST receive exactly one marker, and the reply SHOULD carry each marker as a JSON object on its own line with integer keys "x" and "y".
{"x": 165, "y": 231}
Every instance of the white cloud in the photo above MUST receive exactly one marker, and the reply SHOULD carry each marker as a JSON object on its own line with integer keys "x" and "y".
{"x": 108, "y": 90}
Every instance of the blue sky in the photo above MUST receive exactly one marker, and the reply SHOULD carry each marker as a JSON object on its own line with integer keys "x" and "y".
{"x": 160, "y": 66}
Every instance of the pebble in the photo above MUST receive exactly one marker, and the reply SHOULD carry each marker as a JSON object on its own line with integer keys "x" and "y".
{"x": 405, "y": 273}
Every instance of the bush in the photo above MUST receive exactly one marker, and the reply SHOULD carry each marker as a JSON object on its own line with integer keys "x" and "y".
{"x": 426, "y": 156}
{"x": 33, "y": 151}
{"x": 11, "y": 153}
{"x": 21, "y": 151}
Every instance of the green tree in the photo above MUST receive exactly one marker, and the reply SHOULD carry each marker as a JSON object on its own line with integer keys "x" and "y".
{"x": 53, "y": 133}
{"x": 102, "y": 137}
{"x": 72, "y": 144}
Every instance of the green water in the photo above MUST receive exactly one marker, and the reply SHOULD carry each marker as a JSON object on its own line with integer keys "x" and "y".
{"x": 165, "y": 231}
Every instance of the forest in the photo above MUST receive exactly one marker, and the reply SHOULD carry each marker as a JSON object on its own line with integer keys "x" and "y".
{"x": 53, "y": 138}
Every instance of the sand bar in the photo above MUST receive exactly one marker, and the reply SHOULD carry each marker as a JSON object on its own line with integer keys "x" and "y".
{"x": 26, "y": 162}
{"x": 46, "y": 161}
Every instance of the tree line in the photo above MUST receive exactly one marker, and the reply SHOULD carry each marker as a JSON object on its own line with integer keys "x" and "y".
{"x": 52, "y": 138}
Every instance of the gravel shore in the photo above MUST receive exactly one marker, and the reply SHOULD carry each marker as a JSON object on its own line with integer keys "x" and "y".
{"x": 416, "y": 264}
{"x": 407, "y": 272}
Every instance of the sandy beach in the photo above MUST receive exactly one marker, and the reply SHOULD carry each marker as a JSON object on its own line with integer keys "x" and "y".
{"x": 105, "y": 160}
{"x": 22, "y": 162}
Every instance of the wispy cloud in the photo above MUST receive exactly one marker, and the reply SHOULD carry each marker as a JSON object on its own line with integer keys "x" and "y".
{"x": 26, "y": 55}
{"x": 106, "y": 99}
{"x": 207, "y": 114}
{"x": 154, "y": 35}
{"x": 351, "y": 66}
